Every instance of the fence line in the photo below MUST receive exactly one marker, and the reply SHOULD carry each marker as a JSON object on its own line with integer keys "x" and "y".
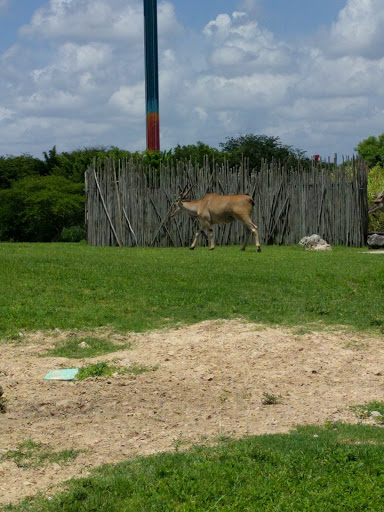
{"x": 129, "y": 205}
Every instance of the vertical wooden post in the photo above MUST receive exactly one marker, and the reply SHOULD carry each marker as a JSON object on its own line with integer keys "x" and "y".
{"x": 151, "y": 75}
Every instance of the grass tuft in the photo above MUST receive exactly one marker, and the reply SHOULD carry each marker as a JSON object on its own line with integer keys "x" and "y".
{"x": 365, "y": 411}
{"x": 32, "y": 454}
{"x": 103, "y": 369}
{"x": 271, "y": 399}
{"x": 85, "y": 347}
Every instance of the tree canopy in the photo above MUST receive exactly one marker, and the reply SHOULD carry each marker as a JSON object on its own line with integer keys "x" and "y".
{"x": 37, "y": 208}
{"x": 260, "y": 147}
{"x": 372, "y": 150}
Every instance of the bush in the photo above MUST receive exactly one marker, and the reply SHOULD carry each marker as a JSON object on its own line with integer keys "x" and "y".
{"x": 375, "y": 185}
{"x": 73, "y": 234}
{"x": 36, "y": 208}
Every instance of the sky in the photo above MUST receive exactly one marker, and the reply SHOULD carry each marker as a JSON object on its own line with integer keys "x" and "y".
{"x": 310, "y": 73}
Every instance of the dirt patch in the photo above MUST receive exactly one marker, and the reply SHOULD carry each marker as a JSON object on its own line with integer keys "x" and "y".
{"x": 210, "y": 382}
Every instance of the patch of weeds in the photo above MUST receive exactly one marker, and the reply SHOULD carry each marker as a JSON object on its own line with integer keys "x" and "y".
{"x": 224, "y": 397}
{"x": 224, "y": 438}
{"x": 13, "y": 335}
{"x": 355, "y": 345}
{"x": 32, "y": 454}
{"x": 301, "y": 331}
{"x": 365, "y": 411}
{"x": 106, "y": 370}
{"x": 137, "y": 369}
{"x": 89, "y": 346}
{"x": 179, "y": 442}
{"x": 95, "y": 370}
{"x": 271, "y": 399}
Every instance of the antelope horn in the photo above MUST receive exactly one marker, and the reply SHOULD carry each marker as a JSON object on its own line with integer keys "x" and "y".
{"x": 187, "y": 190}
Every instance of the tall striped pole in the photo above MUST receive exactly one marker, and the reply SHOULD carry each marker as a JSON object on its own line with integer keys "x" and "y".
{"x": 151, "y": 75}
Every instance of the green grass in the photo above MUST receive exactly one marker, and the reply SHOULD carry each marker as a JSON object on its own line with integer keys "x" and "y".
{"x": 73, "y": 286}
{"x": 88, "y": 346}
{"x": 32, "y": 454}
{"x": 271, "y": 399}
{"x": 364, "y": 411}
{"x": 107, "y": 370}
{"x": 332, "y": 468}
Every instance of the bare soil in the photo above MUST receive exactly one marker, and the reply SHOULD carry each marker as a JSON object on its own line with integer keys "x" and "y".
{"x": 210, "y": 382}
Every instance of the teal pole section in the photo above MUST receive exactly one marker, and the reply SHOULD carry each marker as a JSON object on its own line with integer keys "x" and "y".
{"x": 151, "y": 75}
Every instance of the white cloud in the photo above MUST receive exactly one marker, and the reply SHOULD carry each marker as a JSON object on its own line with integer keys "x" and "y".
{"x": 6, "y": 113}
{"x": 238, "y": 41}
{"x": 251, "y": 6}
{"x": 97, "y": 20}
{"x": 358, "y": 30}
{"x": 86, "y": 20}
{"x": 130, "y": 100}
{"x": 252, "y": 91}
{"x": 81, "y": 81}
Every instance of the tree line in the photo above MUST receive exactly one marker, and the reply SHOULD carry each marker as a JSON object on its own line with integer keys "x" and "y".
{"x": 42, "y": 200}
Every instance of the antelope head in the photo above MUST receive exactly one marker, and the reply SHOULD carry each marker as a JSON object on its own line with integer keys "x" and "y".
{"x": 177, "y": 205}
{"x": 378, "y": 202}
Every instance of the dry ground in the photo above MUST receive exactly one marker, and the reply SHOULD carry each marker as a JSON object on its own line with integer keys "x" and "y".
{"x": 210, "y": 382}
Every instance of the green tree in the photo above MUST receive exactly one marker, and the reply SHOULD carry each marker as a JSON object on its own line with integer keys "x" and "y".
{"x": 375, "y": 185}
{"x": 51, "y": 160}
{"x": 261, "y": 147}
{"x": 197, "y": 152}
{"x": 372, "y": 150}
{"x": 74, "y": 164}
{"x": 37, "y": 208}
{"x": 13, "y": 168}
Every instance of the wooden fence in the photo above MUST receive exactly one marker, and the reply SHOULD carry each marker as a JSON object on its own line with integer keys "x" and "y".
{"x": 129, "y": 205}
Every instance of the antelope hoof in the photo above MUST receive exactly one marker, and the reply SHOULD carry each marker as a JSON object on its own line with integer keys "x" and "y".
{"x": 191, "y": 248}
{"x": 211, "y": 248}
{"x": 259, "y": 249}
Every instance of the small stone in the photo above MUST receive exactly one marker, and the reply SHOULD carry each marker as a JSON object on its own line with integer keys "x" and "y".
{"x": 376, "y": 414}
{"x": 375, "y": 241}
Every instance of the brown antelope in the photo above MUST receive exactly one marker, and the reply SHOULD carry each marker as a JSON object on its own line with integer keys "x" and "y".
{"x": 378, "y": 202}
{"x": 215, "y": 209}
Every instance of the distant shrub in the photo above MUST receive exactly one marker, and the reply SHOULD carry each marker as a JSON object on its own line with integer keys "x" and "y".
{"x": 72, "y": 234}
{"x": 375, "y": 185}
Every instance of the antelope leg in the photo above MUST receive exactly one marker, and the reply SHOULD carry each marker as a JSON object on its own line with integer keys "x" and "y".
{"x": 195, "y": 239}
{"x": 211, "y": 240}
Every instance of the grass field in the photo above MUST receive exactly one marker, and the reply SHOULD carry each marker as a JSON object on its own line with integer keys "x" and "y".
{"x": 317, "y": 469}
{"x": 72, "y": 286}
{"x": 68, "y": 286}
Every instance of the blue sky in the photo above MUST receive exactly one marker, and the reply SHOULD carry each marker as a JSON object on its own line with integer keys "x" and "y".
{"x": 72, "y": 73}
